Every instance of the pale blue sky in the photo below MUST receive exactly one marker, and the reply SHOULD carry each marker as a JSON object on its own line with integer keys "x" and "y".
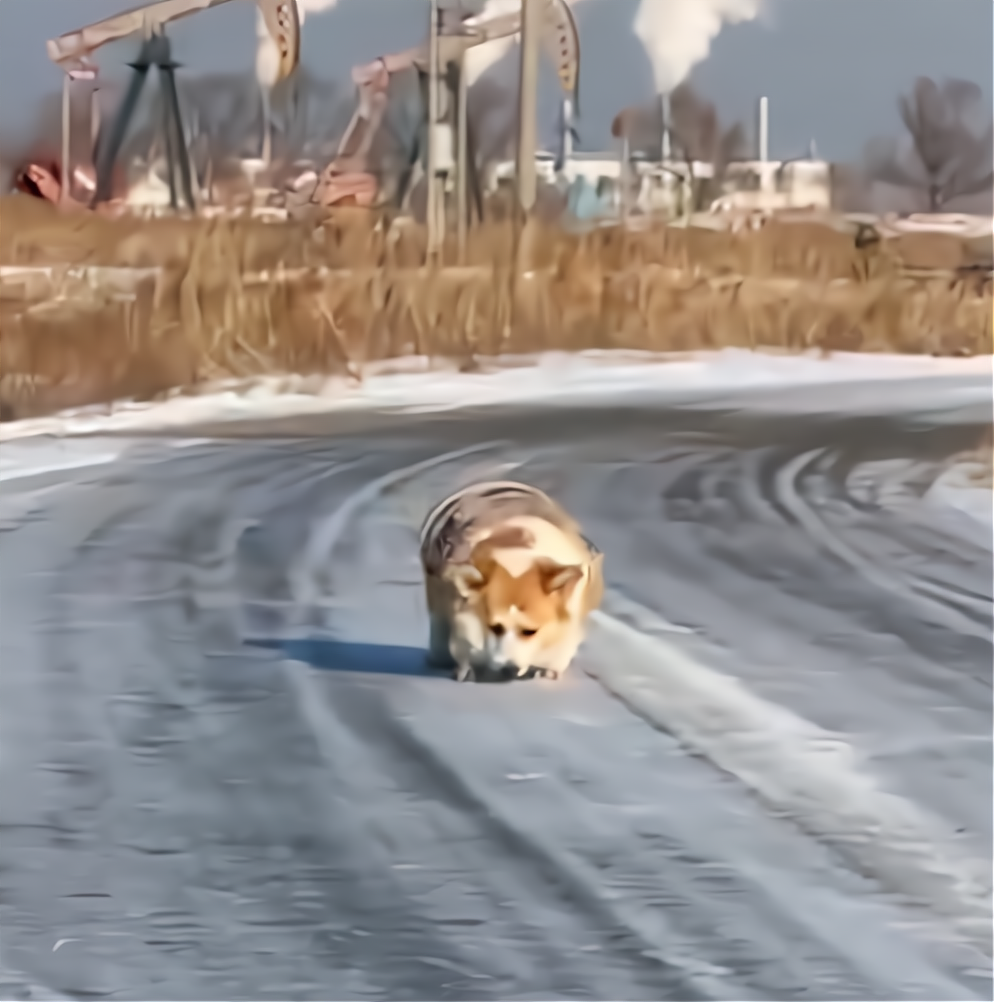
{"x": 831, "y": 68}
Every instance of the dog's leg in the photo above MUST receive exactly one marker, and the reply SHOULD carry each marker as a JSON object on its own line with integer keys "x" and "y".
{"x": 440, "y": 632}
{"x": 464, "y": 672}
{"x": 560, "y": 661}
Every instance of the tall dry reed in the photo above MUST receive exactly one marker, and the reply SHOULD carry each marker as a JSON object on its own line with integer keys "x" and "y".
{"x": 107, "y": 308}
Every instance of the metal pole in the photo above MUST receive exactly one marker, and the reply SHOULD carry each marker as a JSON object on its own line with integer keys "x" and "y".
{"x": 625, "y": 177}
{"x": 170, "y": 140}
{"x": 664, "y": 102}
{"x": 567, "y": 131}
{"x": 66, "y": 187}
{"x": 462, "y": 162}
{"x": 267, "y": 125}
{"x": 110, "y": 145}
{"x": 174, "y": 127}
{"x": 525, "y": 174}
{"x": 431, "y": 211}
{"x": 94, "y": 123}
{"x": 764, "y": 129}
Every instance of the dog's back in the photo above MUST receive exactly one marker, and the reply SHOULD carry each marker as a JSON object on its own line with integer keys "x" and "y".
{"x": 453, "y": 527}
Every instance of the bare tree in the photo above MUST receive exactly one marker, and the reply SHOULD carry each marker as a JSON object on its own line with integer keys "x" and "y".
{"x": 948, "y": 151}
{"x": 697, "y": 136}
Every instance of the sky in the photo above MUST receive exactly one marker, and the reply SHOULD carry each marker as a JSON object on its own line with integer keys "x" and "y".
{"x": 832, "y": 69}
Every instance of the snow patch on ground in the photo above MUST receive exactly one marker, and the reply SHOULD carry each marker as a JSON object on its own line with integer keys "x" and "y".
{"x": 417, "y": 385}
{"x": 45, "y": 454}
{"x": 967, "y": 488}
{"x": 814, "y": 777}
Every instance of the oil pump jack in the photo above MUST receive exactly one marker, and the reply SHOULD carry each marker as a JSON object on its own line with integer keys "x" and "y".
{"x": 434, "y": 128}
{"x": 73, "y": 52}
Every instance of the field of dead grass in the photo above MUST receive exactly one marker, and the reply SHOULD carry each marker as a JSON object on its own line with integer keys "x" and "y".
{"x": 93, "y": 309}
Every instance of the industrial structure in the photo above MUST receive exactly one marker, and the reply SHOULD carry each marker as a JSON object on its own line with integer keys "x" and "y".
{"x": 417, "y": 100}
{"x": 74, "y": 50}
{"x": 621, "y": 182}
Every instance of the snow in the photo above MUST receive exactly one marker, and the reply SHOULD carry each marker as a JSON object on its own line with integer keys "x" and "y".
{"x": 517, "y": 791}
{"x": 810, "y": 774}
{"x": 416, "y": 385}
{"x": 44, "y": 455}
{"x": 965, "y": 488}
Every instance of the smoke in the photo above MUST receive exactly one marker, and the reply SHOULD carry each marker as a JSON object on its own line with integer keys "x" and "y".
{"x": 677, "y": 34}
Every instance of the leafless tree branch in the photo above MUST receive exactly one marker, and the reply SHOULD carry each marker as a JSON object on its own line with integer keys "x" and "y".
{"x": 949, "y": 155}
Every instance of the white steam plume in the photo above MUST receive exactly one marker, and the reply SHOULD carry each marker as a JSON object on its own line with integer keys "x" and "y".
{"x": 677, "y": 34}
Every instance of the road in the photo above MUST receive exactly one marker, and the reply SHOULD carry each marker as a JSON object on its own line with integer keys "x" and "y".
{"x": 226, "y": 773}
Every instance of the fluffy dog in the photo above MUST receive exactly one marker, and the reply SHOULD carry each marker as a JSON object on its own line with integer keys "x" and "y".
{"x": 509, "y": 580}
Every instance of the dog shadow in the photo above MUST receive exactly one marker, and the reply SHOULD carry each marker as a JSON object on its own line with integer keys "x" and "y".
{"x": 366, "y": 658}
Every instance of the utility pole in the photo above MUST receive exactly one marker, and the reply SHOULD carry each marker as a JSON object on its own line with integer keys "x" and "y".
{"x": 94, "y": 123}
{"x": 66, "y": 188}
{"x": 531, "y": 28}
{"x": 431, "y": 209}
{"x": 462, "y": 161}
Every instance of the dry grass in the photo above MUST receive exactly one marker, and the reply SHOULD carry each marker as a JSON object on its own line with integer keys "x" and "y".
{"x": 237, "y": 297}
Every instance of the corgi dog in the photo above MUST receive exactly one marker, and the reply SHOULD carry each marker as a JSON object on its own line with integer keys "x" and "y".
{"x": 509, "y": 580}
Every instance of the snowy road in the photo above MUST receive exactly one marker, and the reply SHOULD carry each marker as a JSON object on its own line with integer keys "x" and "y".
{"x": 225, "y": 773}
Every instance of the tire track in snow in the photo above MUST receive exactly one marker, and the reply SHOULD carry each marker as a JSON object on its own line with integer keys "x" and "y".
{"x": 797, "y": 768}
{"x": 793, "y": 766}
{"x": 931, "y": 600}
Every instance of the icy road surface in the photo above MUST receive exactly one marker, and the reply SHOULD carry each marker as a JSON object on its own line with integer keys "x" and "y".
{"x": 226, "y": 774}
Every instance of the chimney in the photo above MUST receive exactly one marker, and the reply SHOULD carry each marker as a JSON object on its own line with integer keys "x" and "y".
{"x": 764, "y": 129}
{"x": 664, "y": 112}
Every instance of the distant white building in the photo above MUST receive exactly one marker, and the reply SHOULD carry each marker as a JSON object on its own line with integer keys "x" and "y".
{"x": 630, "y": 182}
{"x": 655, "y": 186}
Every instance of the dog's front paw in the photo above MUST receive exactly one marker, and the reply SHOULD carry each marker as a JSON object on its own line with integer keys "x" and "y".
{"x": 464, "y": 673}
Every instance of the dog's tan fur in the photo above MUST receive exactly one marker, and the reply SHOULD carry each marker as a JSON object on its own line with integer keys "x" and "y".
{"x": 520, "y": 602}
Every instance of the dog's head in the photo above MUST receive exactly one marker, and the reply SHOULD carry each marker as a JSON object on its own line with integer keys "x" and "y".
{"x": 520, "y": 616}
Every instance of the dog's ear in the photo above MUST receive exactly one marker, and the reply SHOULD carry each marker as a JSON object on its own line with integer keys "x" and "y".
{"x": 594, "y": 594}
{"x": 558, "y": 577}
{"x": 467, "y": 578}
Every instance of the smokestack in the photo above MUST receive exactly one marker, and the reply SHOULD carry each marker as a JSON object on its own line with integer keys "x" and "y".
{"x": 764, "y": 129}
{"x": 664, "y": 111}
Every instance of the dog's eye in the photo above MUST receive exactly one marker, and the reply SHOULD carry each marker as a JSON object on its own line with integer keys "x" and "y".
{"x": 527, "y": 633}
{"x": 497, "y": 630}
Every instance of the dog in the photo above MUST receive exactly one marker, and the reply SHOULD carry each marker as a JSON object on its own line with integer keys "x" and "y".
{"x": 509, "y": 581}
